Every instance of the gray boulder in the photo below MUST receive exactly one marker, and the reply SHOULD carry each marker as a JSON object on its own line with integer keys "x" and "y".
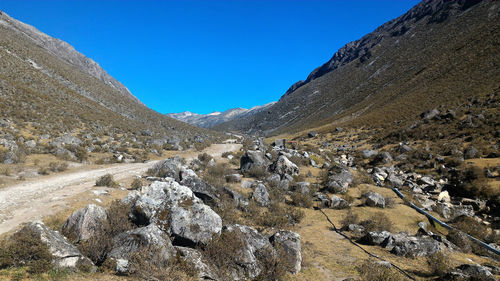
{"x": 260, "y": 195}
{"x": 323, "y": 199}
{"x": 470, "y": 153}
{"x": 64, "y": 254}
{"x": 394, "y": 180}
{"x": 150, "y": 239}
{"x": 339, "y": 179}
{"x": 194, "y": 258}
{"x": 383, "y": 157}
{"x": 85, "y": 223}
{"x": 233, "y": 178}
{"x": 253, "y": 158}
{"x": 289, "y": 242}
{"x": 430, "y": 114}
{"x": 414, "y": 246}
{"x": 302, "y": 187}
{"x": 373, "y": 199}
{"x": 282, "y": 166}
{"x": 338, "y": 203}
{"x": 377, "y": 238}
{"x": 30, "y": 144}
{"x": 469, "y": 272}
{"x": 254, "y": 245}
{"x": 273, "y": 179}
{"x": 201, "y": 189}
{"x": 170, "y": 167}
{"x": 312, "y": 134}
{"x": 279, "y": 144}
{"x": 175, "y": 209}
{"x": 65, "y": 140}
{"x": 368, "y": 153}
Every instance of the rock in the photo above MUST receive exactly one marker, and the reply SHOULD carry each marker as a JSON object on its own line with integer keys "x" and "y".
{"x": 151, "y": 239}
{"x": 313, "y": 163}
{"x": 131, "y": 197}
{"x": 201, "y": 189}
{"x": 339, "y": 179}
{"x": 377, "y": 238}
{"x": 289, "y": 242}
{"x": 195, "y": 259}
{"x": 279, "y": 144}
{"x": 383, "y": 157}
{"x": 85, "y": 223}
{"x": 338, "y": 203}
{"x": 394, "y": 180}
{"x": 284, "y": 184}
{"x": 414, "y": 246}
{"x": 374, "y": 199}
{"x": 246, "y": 184}
{"x": 64, "y": 154}
{"x": 283, "y": 166}
{"x": 30, "y": 144}
{"x": 403, "y": 148}
{"x": 170, "y": 167}
{"x": 239, "y": 201}
{"x": 65, "y": 140}
{"x": 64, "y": 254}
{"x": 470, "y": 153}
{"x": 356, "y": 229}
{"x": 252, "y": 158}
{"x": 100, "y": 192}
{"x": 450, "y": 211}
{"x": 312, "y": 134}
{"x": 368, "y": 153}
{"x": 430, "y": 114}
{"x": 261, "y": 196}
{"x": 273, "y": 180}
{"x": 233, "y": 178}
{"x": 323, "y": 198}
{"x": 476, "y": 272}
{"x": 175, "y": 209}
{"x": 444, "y": 196}
{"x": 254, "y": 244}
{"x": 302, "y": 187}
{"x": 478, "y": 205}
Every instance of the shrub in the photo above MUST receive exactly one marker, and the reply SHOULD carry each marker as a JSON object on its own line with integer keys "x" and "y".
{"x": 58, "y": 166}
{"x": 301, "y": 200}
{"x": 257, "y": 172}
{"x": 274, "y": 265}
{"x": 377, "y": 222}
{"x": 216, "y": 174}
{"x": 136, "y": 184}
{"x": 390, "y": 202}
{"x": 24, "y": 248}
{"x": 43, "y": 171}
{"x": 223, "y": 251}
{"x": 378, "y": 272}
{"x": 439, "y": 263}
{"x": 106, "y": 180}
{"x": 350, "y": 218}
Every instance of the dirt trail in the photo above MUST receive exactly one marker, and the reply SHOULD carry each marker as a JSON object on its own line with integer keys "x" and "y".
{"x": 45, "y": 195}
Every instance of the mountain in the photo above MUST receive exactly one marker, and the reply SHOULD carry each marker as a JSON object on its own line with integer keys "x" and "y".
{"x": 438, "y": 53}
{"x": 47, "y": 87}
{"x": 215, "y": 118}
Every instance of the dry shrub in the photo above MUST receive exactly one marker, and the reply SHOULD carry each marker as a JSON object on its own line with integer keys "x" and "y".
{"x": 106, "y": 180}
{"x": 439, "y": 263}
{"x": 24, "y": 248}
{"x": 136, "y": 184}
{"x": 377, "y": 222}
{"x": 475, "y": 229}
{"x": 274, "y": 264}
{"x": 204, "y": 157}
{"x": 58, "y": 166}
{"x": 223, "y": 251}
{"x": 257, "y": 172}
{"x": 43, "y": 171}
{"x": 216, "y": 174}
{"x": 471, "y": 183}
{"x": 301, "y": 200}
{"x": 390, "y": 202}
{"x": 350, "y": 218}
{"x": 277, "y": 215}
{"x": 97, "y": 247}
{"x": 378, "y": 272}
{"x": 148, "y": 264}
{"x": 80, "y": 152}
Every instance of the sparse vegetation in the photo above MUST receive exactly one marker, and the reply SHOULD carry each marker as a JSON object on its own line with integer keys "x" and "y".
{"x": 106, "y": 180}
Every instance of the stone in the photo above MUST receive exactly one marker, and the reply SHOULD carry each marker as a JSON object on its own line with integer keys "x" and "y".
{"x": 368, "y": 153}
{"x": 85, "y": 223}
{"x": 376, "y": 238}
{"x": 176, "y": 210}
{"x": 302, "y": 187}
{"x": 254, "y": 244}
{"x": 279, "y": 144}
{"x": 339, "y": 179}
{"x": 382, "y": 157}
{"x": 312, "y": 134}
{"x": 30, "y": 144}
{"x": 283, "y": 166}
{"x": 470, "y": 153}
{"x": 195, "y": 258}
{"x": 289, "y": 242}
{"x": 394, "y": 180}
{"x": 273, "y": 180}
{"x": 338, "y": 203}
{"x": 65, "y": 140}
{"x": 374, "y": 199}
{"x": 150, "y": 238}
{"x": 414, "y": 246}
{"x": 201, "y": 189}
{"x": 170, "y": 167}
{"x": 261, "y": 196}
{"x": 233, "y": 178}
{"x": 323, "y": 198}
{"x": 444, "y": 196}
{"x": 64, "y": 254}
{"x": 253, "y": 158}
{"x": 239, "y": 201}
{"x": 430, "y": 114}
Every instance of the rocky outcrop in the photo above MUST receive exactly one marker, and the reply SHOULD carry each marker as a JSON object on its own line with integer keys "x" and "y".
{"x": 149, "y": 241}
{"x": 64, "y": 254}
{"x": 84, "y": 223}
{"x": 289, "y": 242}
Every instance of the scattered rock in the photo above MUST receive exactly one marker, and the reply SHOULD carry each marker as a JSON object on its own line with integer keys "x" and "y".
{"x": 252, "y": 158}
{"x": 302, "y": 187}
{"x": 374, "y": 199}
{"x": 233, "y": 178}
{"x": 201, "y": 189}
{"x": 470, "y": 153}
{"x": 260, "y": 195}
{"x": 290, "y": 243}
{"x": 338, "y": 203}
{"x": 195, "y": 259}
{"x": 84, "y": 223}
{"x": 312, "y": 134}
{"x": 283, "y": 166}
{"x": 339, "y": 179}
{"x": 368, "y": 153}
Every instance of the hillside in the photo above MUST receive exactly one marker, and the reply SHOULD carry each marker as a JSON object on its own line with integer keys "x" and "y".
{"x": 49, "y": 90}
{"x": 438, "y": 53}
{"x": 216, "y": 118}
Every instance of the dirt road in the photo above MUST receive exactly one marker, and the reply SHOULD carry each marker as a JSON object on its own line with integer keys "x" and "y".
{"x": 46, "y": 195}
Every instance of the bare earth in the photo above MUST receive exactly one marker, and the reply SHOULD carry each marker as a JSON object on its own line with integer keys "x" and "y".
{"x": 47, "y": 195}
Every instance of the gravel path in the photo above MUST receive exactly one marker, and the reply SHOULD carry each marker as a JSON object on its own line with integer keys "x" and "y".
{"x": 33, "y": 199}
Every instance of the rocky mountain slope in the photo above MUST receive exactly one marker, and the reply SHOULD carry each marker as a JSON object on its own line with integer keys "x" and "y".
{"x": 215, "y": 118}
{"x": 438, "y": 53}
{"x": 49, "y": 90}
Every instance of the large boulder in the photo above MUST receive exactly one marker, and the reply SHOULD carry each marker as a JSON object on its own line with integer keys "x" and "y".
{"x": 170, "y": 167}
{"x": 338, "y": 203}
{"x": 253, "y": 158}
{"x": 377, "y": 238}
{"x": 254, "y": 245}
{"x": 414, "y": 246}
{"x": 282, "y": 166}
{"x": 64, "y": 254}
{"x": 149, "y": 240}
{"x": 84, "y": 223}
{"x": 469, "y": 272}
{"x": 373, "y": 199}
{"x": 260, "y": 195}
{"x": 175, "y": 209}
{"x": 65, "y": 140}
{"x": 289, "y": 242}
{"x": 194, "y": 258}
{"x": 339, "y": 179}
{"x": 201, "y": 189}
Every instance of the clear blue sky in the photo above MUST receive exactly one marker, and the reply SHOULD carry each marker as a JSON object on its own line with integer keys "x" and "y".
{"x": 204, "y": 56}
